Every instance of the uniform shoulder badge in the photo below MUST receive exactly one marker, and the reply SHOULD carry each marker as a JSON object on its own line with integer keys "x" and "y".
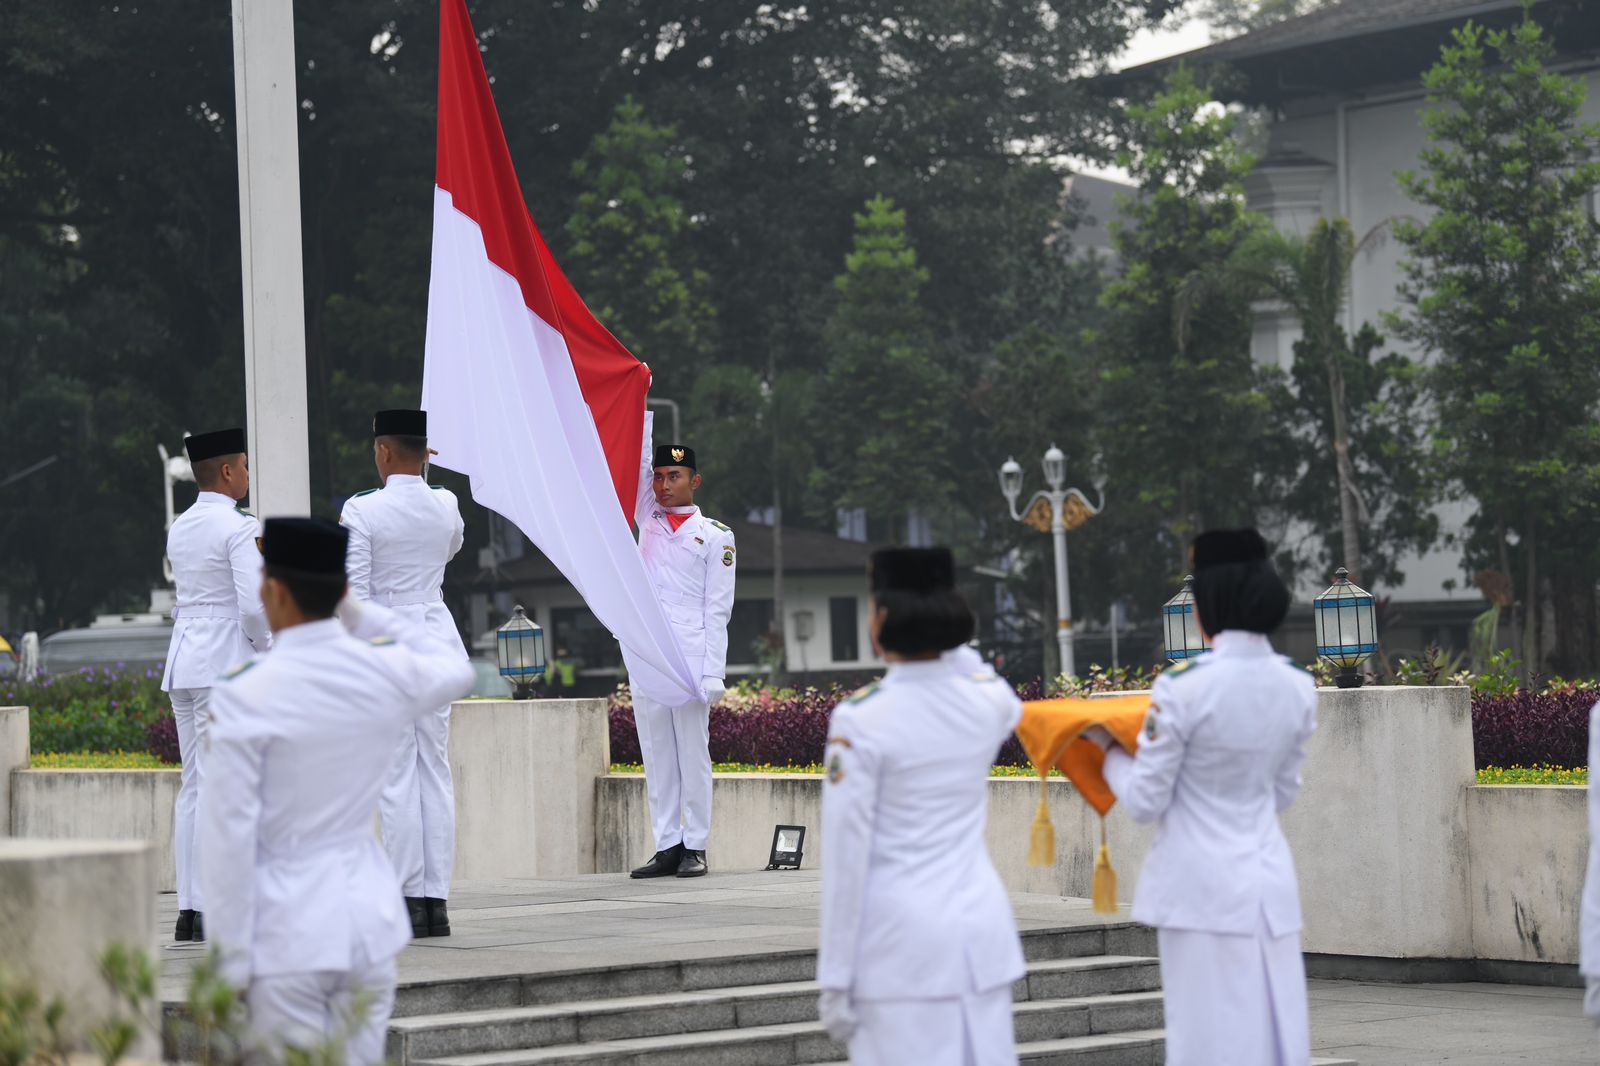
{"x": 727, "y": 555}
{"x": 437, "y": 488}
{"x": 1185, "y": 667}
{"x": 984, "y": 675}
{"x": 363, "y": 492}
{"x": 719, "y": 525}
{"x": 862, "y": 693}
{"x": 380, "y": 642}
{"x": 242, "y": 511}
{"x": 237, "y": 670}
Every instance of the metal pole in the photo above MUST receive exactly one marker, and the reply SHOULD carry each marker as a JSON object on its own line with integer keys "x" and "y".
{"x": 1063, "y": 594}
{"x": 267, "y": 111}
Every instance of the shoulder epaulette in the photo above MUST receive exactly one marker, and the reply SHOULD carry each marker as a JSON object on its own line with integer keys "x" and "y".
{"x": 437, "y": 488}
{"x": 380, "y": 642}
{"x": 719, "y": 525}
{"x": 1185, "y": 667}
{"x": 237, "y": 670}
{"x": 363, "y": 492}
{"x": 984, "y": 675}
{"x": 242, "y": 511}
{"x": 862, "y": 693}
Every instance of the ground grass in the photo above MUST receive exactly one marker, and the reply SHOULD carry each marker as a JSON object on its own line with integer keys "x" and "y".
{"x": 97, "y": 760}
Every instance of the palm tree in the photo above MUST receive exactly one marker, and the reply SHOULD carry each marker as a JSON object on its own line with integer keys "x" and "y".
{"x": 1311, "y": 275}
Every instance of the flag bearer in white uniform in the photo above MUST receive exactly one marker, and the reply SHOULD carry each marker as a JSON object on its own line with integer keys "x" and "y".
{"x": 919, "y": 946}
{"x": 1220, "y": 759}
{"x": 401, "y": 537}
{"x": 305, "y": 908}
{"x": 217, "y": 622}
{"x": 690, "y": 561}
{"x": 1589, "y": 915}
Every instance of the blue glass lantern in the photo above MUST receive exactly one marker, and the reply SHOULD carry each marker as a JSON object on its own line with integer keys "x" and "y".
{"x": 1181, "y": 635}
{"x": 1347, "y": 628}
{"x": 521, "y": 649}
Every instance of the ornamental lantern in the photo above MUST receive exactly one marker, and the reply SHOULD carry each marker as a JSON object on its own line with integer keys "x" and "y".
{"x": 521, "y": 648}
{"x": 1181, "y": 635}
{"x": 1347, "y": 628}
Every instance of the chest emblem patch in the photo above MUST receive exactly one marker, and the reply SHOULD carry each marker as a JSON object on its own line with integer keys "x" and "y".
{"x": 699, "y": 540}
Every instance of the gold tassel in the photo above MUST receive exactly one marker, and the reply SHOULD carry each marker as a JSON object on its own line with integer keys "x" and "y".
{"x": 1042, "y": 842}
{"x": 1105, "y": 878}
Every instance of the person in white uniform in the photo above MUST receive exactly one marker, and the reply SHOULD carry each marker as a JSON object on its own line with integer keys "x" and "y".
{"x": 1220, "y": 759}
{"x": 305, "y": 908}
{"x": 919, "y": 947}
{"x": 689, "y": 559}
{"x": 401, "y": 537}
{"x": 1589, "y": 915}
{"x": 217, "y": 622}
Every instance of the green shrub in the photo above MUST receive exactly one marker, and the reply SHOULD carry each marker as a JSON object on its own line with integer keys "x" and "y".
{"x": 1533, "y": 775}
{"x": 93, "y": 709}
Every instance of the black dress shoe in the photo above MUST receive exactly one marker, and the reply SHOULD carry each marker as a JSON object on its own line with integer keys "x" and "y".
{"x": 662, "y": 863}
{"x": 199, "y": 928}
{"x": 417, "y": 910}
{"x": 693, "y": 864}
{"x": 438, "y": 917}
{"x": 185, "y": 927}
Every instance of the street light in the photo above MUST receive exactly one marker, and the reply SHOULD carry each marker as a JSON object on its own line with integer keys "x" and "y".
{"x": 1347, "y": 627}
{"x": 520, "y": 645}
{"x": 1053, "y": 511}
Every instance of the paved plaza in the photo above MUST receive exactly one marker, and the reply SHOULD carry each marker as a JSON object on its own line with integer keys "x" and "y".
{"x": 609, "y": 922}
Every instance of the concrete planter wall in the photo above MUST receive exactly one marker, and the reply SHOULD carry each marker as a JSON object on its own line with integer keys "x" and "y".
{"x": 1400, "y": 855}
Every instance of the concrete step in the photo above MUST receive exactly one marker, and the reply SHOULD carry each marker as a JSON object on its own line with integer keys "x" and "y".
{"x": 606, "y": 982}
{"x": 805, "y": 1041}
{"x": 608, "y": 1018}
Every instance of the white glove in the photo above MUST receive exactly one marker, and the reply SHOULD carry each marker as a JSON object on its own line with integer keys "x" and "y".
{"x": 1100, "y": 736}
{"x": 838, "y": 1016}
{"x": 713, "y": 689}
{"x": 1591, "y": 999}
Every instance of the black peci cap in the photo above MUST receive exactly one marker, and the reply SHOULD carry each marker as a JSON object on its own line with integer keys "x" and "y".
{"x": 311, "y": 546}
{"x": 399, "y": 423}
{"x": 1219, "y": 547}
{"x": 912, "y": 569}
{"x": 675, "y": 455}
{"x": 203, "y": 446}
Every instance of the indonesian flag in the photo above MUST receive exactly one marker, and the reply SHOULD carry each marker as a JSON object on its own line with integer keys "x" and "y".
{"x": 526, "y": 392}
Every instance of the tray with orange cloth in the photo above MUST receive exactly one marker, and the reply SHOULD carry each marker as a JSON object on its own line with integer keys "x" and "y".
{"x": 1051, "y": 732}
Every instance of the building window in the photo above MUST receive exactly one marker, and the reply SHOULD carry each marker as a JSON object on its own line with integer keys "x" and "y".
{"x": 578, "y": 631}
{"x": 748, "y": 628}
{"x": 843, "y": 629}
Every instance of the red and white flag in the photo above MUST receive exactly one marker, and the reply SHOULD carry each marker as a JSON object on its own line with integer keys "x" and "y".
{"x": 526, "y": 392}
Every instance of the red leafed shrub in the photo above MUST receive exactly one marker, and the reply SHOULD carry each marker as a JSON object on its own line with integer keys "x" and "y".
{"x": 789, "y": 731}
{"x": 1532, "y": 728}
{"x": 161, "y": 737}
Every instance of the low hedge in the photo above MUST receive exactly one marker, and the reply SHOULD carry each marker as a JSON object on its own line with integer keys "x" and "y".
{"x": 1524, "y": 728}
{"x": 94, "y": 709}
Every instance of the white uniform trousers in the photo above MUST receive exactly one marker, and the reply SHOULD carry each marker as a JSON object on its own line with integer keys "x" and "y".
{"x": 676, "y": 744}
{"x": 191, "y": 708}
{"x": 972, "y": 1030}
{"x": 1234, "y": 999}
{"x": 308, "y": 1010}
{"x": 418, "y": 808}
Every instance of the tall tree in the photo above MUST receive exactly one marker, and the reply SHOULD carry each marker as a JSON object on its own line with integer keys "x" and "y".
{"x": 891, "y": 400}
{"x": 629, "y": 250}
{"x": 1501, "y": 285}
{"x": 1186, "y": 432}
{"x": 1230, "y": 18}
{"x": 1361, "y": 412}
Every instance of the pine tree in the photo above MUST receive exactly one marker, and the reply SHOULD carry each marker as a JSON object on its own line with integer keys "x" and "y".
{"x": 630, "y": 255}
{"x": 1502, "y": 286}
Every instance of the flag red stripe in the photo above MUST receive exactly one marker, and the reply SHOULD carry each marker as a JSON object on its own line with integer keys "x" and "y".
{"x": 474, "y": 167}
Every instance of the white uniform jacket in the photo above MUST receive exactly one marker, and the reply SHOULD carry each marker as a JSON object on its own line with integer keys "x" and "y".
{"x": 301, "y": 745}
{"x": 912, "y": 907}
{"x": 401, "y": 538}
{"x": 218, "y": 619}
{"x": 1589, "y": 915}
{"x": 1221, "y": 755}
{"x": 692, "y": 571}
